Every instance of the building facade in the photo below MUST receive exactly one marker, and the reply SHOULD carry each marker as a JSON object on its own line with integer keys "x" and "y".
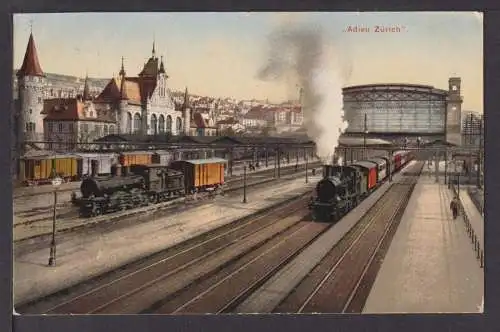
{"x": 404, "y": 109}
{"x": 144, "y": 103}
{"x": 472, "y": 128}
{"x": 75, "y": 120}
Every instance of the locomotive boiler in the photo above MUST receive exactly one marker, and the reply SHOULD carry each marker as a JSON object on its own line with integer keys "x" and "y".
{"x": 146, "y": 184}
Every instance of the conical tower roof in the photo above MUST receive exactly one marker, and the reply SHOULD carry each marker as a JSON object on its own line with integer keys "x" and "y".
{"x": 86, "y": 90}
{"x": 31, "y": 65}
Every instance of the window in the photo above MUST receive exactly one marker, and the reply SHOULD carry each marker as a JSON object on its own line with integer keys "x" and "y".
{"x": 70, "y": 127}
{"x": 60, "y": 127}
{"x": 40, "y": 100}
{"x": 51, "y": 126}
{"x": 31, "y": 111}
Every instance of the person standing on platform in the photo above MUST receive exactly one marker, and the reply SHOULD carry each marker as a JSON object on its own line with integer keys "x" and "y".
{"x": 454, "y": 207}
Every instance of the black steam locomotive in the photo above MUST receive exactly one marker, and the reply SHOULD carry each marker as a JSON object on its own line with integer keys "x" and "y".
{"x": 147, "y": 184}
{"x": 344, "y": 187}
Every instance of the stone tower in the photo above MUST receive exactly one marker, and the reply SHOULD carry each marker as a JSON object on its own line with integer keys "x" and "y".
{"x": 186, "y": 113}
{"x": 454, "y": 111}
{"x": 31, "y": 89}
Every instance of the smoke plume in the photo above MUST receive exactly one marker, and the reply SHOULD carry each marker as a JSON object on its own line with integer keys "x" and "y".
{"x": 299, "y": 58}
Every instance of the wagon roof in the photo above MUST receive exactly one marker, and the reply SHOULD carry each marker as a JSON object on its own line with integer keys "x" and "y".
{"x": 378, "y": 160}
{"x": 41, "y": 155}
{"x": 137, "y": 152}
{"x": 207, "y": 161}
{"x": 365, "y": 164}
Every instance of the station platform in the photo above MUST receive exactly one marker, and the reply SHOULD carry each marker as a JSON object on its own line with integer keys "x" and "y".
{"x": 83, "y": 257}
{"x": 431, "y": 265}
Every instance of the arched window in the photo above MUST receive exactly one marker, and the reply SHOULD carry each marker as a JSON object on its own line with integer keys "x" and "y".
{"x": 129, "y": 123}
{"x": 169, "y": 124}
{"x": 161, "y": 124}
{"x": 137, "y": 122}
{"x": 178, "y": 125}
{"x": 154, "y": 127}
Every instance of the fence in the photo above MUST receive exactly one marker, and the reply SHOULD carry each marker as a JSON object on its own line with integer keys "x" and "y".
{"x": 470, "y": 230}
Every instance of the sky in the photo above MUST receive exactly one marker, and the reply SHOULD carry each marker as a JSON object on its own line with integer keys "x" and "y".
{"x": 220, "y": 54}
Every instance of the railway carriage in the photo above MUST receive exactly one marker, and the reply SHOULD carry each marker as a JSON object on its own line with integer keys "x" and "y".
{"x": 389, "y": 164}
{"x": 162, "y": 157}
{"x": 201, "y": 174}
{"x": 40, "y": 169}
{"x": 381, "y": 168}
{"x": 97, "y": 163}
{"x": 129, "y": 158}
{"x": 369, "y": 170}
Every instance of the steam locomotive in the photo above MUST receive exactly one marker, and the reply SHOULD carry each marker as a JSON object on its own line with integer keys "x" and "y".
{"x": 344, "y": 187}
{"x": 143, "y": 185}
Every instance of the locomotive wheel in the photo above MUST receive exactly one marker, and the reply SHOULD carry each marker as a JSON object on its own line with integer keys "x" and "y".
{"x": 97, "y": 211}
{"x": 153, "y": 199}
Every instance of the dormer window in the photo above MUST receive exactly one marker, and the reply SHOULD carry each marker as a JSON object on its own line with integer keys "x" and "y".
{"x": 454, "y": 88}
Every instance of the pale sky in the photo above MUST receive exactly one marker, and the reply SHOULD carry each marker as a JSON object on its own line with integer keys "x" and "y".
{"x": 219, "y": 54}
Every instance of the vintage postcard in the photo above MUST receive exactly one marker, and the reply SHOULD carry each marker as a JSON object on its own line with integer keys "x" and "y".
{"x": 191, "y": 163}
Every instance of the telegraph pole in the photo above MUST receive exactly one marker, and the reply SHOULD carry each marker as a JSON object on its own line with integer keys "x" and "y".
{"x": 365, "y": 132}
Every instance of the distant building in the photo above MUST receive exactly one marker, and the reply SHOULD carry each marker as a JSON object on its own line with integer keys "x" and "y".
{"x": 72, "y": 120}
{"x": 258, "y": 117}
{"x": 230, "y": 124}
{"x": 472, "y": 128}
{"x": 202, "y": 126}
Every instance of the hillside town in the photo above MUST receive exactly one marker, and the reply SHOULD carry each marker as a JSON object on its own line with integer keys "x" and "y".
{"x": 61, "y": 108}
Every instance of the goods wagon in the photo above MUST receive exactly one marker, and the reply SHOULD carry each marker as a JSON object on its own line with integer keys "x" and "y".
{"x": 97, "y": 163}
{"x": 369, "y": 170}
{"x": 162, "y": 157}
{"x": 136, "y": 158}
{"x": 381, "y": 168}
{"x": 201, "y": 174}
{"x": 40, "y": 169}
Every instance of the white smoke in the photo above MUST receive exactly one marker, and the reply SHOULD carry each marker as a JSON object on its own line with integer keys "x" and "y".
{"x": 299, "y": 56}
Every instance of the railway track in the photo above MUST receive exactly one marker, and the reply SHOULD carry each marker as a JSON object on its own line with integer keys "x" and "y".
{"x": 67, "y": 210}
{"x": 145, "y": 284}
{"x": 216, "y": 271}
{"x": 341, "y": 282}
{"x": 35, "y": 235}
{"x": 28, "y": 195}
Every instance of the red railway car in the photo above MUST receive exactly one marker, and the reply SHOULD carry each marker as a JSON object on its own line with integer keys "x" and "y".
{"x": 370, "y": 171}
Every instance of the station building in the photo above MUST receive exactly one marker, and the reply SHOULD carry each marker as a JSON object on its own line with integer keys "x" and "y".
{"x": 398, "y": 111}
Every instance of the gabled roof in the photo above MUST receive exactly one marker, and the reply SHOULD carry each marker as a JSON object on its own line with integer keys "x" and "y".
{"x": 112, "y": 91}
{"x": 31, "y": 65}
{"x": 150, "y": 68}
{"x": 71, "y": 109}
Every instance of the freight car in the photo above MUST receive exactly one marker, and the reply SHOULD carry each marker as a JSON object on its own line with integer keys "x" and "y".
{"x": 344, "y": 187}
{"x": 41, "y": 169}
{"x": 201, "y": 174}
{"x": 147, "y": 184}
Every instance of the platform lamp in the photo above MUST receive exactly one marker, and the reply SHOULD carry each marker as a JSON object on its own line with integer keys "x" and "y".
{"x": 307, "y": 178}
{"x": 56, "y": 182}
{"x": 244, "y": 183}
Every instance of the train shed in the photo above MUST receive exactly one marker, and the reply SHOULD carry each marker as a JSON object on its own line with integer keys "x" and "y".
{"x": 351, "y": 149}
